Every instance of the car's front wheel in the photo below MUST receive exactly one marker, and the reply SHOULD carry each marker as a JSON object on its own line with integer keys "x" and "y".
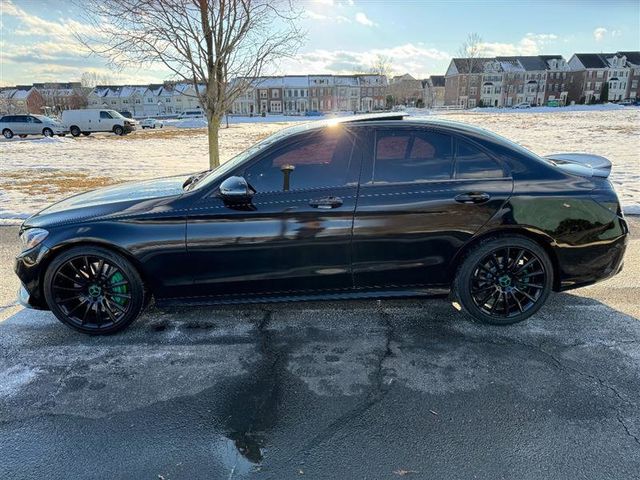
{"x": 118, "y": 130}
{"x": 94, "y": 290}
{"x": 504, "y": 280}
{"x": 47, "y": 132}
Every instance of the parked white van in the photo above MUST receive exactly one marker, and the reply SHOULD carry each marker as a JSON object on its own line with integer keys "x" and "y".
{"x": 88, "y": 121}
{"x": 191, "y": 114}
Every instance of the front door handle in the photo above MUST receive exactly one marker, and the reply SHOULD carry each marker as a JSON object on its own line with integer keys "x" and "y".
{"x": 326, "y": 203}
{"x": 473, "y": 197}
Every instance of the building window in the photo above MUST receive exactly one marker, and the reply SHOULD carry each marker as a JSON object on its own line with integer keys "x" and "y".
{"x": 275, "y": 93}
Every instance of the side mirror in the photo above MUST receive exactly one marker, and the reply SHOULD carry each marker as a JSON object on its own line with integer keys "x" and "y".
{"x": 236, "y": 189}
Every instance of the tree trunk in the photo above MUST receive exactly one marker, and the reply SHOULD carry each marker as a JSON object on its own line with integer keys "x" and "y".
{"x": 214, "y": 150}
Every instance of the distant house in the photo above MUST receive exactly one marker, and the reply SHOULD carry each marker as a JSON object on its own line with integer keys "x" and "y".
{"x": 298, "y": 94}
{"x": 463, "y": 81}
{"x": 21, "y": 99}
{"x": 433, "y": 91}
{"x": 596, "y": 69}
{"x": 405, "y": 90}
{"x": 63, "y": 96}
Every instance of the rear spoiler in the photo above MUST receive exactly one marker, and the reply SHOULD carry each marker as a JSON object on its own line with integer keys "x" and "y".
{"x": 583, "y": 164}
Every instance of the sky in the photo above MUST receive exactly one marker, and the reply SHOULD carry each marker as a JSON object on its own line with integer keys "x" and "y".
{"x": 37, "y": 42}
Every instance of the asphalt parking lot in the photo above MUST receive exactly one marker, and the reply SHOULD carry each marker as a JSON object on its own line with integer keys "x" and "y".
{"x": 358, "y": 390}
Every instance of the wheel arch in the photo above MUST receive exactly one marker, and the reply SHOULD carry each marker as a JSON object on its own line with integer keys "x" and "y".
{"x": 62, "y": 248}
{"x": 540, "y": 238}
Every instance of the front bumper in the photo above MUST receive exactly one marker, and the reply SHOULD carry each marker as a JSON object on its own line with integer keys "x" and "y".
{"x": 129, "y": 128}
{"x": 28, "y": 268}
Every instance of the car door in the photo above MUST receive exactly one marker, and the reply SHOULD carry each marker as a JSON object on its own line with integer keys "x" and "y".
{"x": 35, "y": 125}
{"x": 22, "y": 125}
{"x": 105, "y": 121}
{"x": 294, "y": 234}
{"x": 427, "y": 192}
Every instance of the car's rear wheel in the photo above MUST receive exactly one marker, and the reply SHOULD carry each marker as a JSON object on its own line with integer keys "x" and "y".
{"x": 47, "y": 132}
{"x": 504, "y": 280}
{"x": 94, "y": 290}
{"x": 22, "y": 135}
{"x": 75, "y": 131}
{"x": 118, "y": 130}
{"x": 86, "y": 134}
{"x": 7, "y": 133}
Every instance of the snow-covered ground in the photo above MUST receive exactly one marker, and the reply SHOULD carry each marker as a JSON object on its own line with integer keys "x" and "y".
{"x": 35, "y": 172}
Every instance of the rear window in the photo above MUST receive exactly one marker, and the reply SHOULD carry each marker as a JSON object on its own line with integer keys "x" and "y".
{"x": 412, "y": 156}
{"x": 471, "y": 162}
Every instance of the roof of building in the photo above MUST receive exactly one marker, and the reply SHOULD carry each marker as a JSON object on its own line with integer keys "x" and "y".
{"x": 632, "y": 57}
{"x": 471, "y": 65}
{"x": 437, "y": 80}
{"x": 594, "y": 60}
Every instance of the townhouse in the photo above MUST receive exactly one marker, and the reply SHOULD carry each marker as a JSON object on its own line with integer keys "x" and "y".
{"x": 62, "y": 96}
{"x": 406, "y": 90}
{"x": 433, "y": 91}
{"x": 21, "y": 99}
{"x": 542, "y": 79}
{"x": 298, "y": 94}
{"x": 146, "y": 100}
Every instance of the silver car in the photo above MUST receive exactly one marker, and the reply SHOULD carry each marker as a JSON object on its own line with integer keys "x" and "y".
{"x": 23, "y": 125}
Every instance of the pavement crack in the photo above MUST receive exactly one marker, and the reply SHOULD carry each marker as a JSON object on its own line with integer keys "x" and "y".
{"x": 558, "y": 363}
{"x": 376, "y": 393}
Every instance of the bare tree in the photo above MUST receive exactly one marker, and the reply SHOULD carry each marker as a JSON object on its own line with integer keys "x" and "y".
{"x": 91, "y": 79}
{"x": 206, "y": 43}
{"x": 381, "y": 66}
{"x": 470, "y": 52}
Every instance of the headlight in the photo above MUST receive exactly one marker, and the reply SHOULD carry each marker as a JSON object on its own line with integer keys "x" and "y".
{"x": 32, "y": 237}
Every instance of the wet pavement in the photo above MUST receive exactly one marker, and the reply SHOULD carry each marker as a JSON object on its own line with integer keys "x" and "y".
{"x": 348, "y": 390}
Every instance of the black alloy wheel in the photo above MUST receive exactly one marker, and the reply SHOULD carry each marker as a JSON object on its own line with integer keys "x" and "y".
{"x": 94, "y": 290}
{"x": 504, "y": 280}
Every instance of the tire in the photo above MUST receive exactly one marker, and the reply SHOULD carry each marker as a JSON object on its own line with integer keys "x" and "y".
{"x": 23, "y": 135}
{"x": 86, "y": 134}
{"x": 118, "y": 130}
{"x": 47, "y": 132}
{"x": 105, "y": 292}
{"x": 7, "y": 133}
{"x": 503, "y": 280}
{"x": 154, "y": 127}
{"x": 75, "y": 131}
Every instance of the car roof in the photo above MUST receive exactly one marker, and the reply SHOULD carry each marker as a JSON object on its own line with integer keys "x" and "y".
{"x": 402, "y": 119}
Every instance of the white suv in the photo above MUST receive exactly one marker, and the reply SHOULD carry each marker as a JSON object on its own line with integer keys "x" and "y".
{"x": 23, "y": 125}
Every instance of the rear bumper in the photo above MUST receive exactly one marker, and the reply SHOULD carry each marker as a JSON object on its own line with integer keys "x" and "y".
{"x": 588, "y": 264}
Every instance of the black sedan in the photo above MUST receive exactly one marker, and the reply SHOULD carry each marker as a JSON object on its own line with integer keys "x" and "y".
{"x": 365, "y": 207}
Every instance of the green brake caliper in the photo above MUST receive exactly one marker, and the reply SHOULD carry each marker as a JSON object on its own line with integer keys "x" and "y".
{"x": 117, "y": 278}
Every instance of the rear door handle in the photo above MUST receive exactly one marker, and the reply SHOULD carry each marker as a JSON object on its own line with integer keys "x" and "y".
{"x": 473, "y": 197}
{"x": 326, "y": 203}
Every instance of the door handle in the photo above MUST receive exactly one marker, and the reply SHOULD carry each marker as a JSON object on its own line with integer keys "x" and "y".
{"x": 473, "y": 197}
{"x": 326, "y": 203}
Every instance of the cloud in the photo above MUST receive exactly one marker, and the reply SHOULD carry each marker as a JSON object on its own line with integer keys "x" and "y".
{"x": 417, "y": 59}
{"x": 599, "y": 33}
{"x": 326, "y": 18}
{"x": 530, "y": 44}
{"x": 364, "y": 20}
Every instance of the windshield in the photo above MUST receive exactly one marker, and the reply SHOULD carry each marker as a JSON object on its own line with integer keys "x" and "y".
{"x": 114, "y": 114}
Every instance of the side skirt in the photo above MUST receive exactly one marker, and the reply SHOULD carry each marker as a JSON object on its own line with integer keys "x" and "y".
{"x": 346, "y": 295}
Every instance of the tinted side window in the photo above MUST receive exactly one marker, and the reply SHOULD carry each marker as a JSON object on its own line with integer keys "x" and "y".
{"x": 412, "y": 156}
{"x": 35, "y": 120}
{"x": 20, "y": 119}
{"x": 314, "y": 161}
{"x": 105, "y": 115}
{"x": 472, "y": 162}
{"x": 5, "y": 118}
